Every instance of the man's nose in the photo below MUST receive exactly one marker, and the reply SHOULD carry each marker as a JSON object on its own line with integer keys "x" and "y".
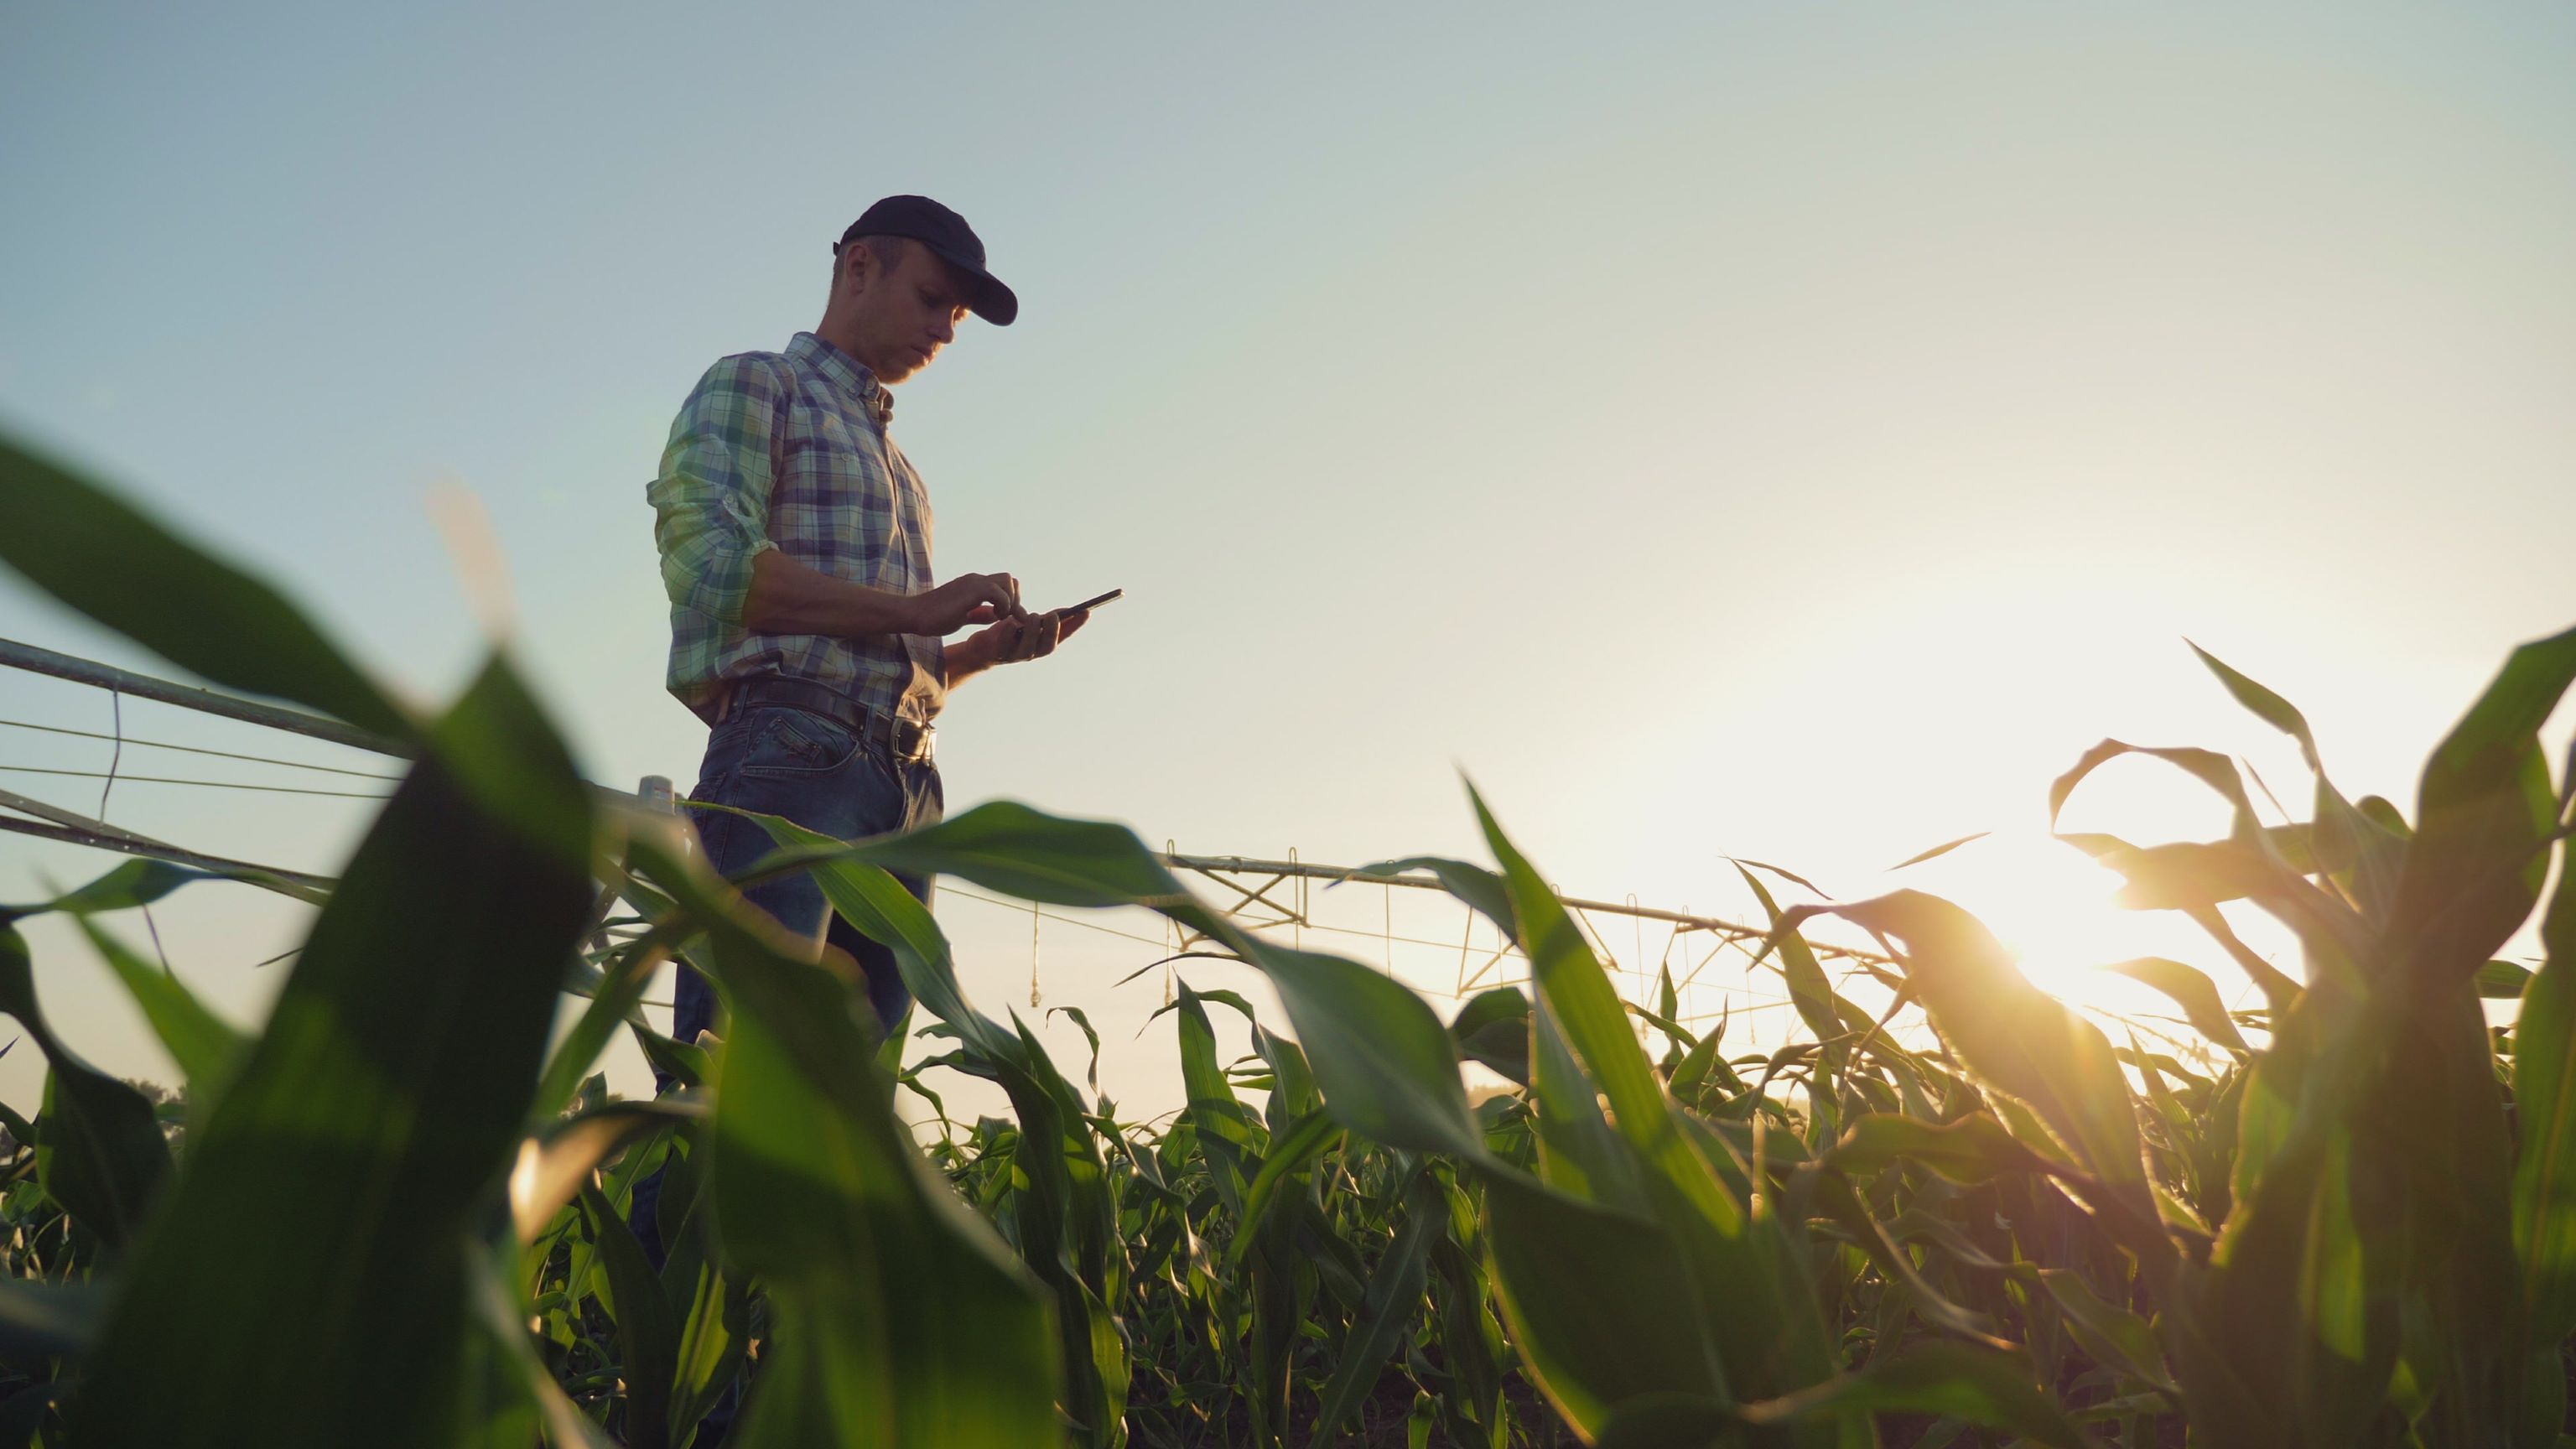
{"x": 944, "y": 330}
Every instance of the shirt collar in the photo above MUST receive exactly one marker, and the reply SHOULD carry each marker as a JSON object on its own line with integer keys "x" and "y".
{"x": 846, "y": 373}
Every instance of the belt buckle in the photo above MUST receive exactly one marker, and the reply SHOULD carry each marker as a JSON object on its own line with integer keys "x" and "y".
{"x": 918, "y": 751}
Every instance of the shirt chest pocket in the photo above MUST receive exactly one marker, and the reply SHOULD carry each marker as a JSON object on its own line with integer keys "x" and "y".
{"x": 836, "y": 507}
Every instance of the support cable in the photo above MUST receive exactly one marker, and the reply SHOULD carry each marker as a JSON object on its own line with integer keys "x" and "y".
{"x": 15, "y": 655}
{"x": 116, "y": 704}
{"x": 111, "y": 777}
{"x": 143, "y": 744}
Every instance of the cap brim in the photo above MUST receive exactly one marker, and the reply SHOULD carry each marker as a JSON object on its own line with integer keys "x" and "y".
{"x": 986, "y": 296}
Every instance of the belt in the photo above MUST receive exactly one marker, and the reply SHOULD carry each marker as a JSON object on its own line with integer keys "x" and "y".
{"x": 903, "y": 738}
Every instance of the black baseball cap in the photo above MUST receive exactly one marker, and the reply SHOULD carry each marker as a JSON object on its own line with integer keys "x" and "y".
{"x": 947, "y": 234}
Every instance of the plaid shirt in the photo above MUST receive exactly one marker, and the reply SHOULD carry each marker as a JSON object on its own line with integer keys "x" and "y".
{"x": 789, "y": 451}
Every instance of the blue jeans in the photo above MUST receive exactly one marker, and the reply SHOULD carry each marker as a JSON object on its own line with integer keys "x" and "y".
{"x": 816, "y": 772}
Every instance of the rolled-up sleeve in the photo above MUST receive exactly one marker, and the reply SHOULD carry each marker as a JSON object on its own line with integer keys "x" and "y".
{"x": 711, "y": 500}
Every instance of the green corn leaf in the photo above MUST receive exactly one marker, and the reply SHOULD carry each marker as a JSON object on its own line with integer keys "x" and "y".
{"x": 499, "y": 1333}
{"x": 1916, "y": 1226}
{"x": 1067, "y": 1220}
{"x": 1394, "y": 1301}
{"x": 1083, "y": 1022}
{"x": 334, "y": 1180}
{"x": 1599, "y": 1303}
{"x": 552, "y": 1167}
{"x": 1832, "y": 1195}
{"x": 1596, "y": 1030}
{"x": 1579, "y": 1153}
{"x": 880, "y": 908}
{"x": 206, "y": 1047}
{"x": 2544, "y": 1090}
{"x": 2484, "y": 814}
{"x": 2025, "y": 1043}
{"x": 2503, "y": 980}
{"x": 1979, "y": 1385}
{"x": 648, "y": 1336}
{"x": 1418, "y": 1424}
{"x": 2211, "y": 768}
{"x": 1008, "y": 847}
{"x": 145, "y": 883}
{"x": 899, "y": 1318}
{"x": 1385, "y": 1065}
{"x": 2267, "y": 706}
{"x": 1809, "y": 990}
{"x": 2195, "y": 877}
{"x": 616, "y": 998}
{"x": 99, "y": 1149}
{"x": 1494, "y": 1028}
{"x": 1701, "y": 1070}
{"x": 1813, "y": 996}
{"x": 1963, "y": 1382}
{"x": 1972, "y": 1149}
{"x": 2192, "y": 990}
{"x": 1771, "y": 1334}
{"x": 712, "y": 1307}
{"x": 2017, "y": 1037}
{"x": 2115, "y": 1337}
{"x": 1289, "y": 1153}
{"x": 1478, "y": 887}
{"x": 1225, "y": 1126}
{"x": 2280, "y": 1340}
{"x": 1292, "y": 1078}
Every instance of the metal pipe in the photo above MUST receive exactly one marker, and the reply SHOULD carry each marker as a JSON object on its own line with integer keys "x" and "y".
{"x": 307, "y": 888}
{"x": 295, "y": 721}
{"x": 12, "y": 800}
{"x": 15, "y": 655}
{"x": 1211, "y": 864}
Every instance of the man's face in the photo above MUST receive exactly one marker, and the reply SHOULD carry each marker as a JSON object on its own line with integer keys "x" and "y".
{"x": 906, "y": 313}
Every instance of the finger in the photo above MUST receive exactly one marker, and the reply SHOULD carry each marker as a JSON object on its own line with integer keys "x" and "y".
{"x": 980, "y": 614}
{"x": 1011, "y": 591}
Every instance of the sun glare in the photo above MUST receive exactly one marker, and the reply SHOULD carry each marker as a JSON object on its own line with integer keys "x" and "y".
{"x": 2054, "y": 909}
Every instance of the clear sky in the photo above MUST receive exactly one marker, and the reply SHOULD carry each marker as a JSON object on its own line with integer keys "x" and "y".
{"x": 1770, "y": 430}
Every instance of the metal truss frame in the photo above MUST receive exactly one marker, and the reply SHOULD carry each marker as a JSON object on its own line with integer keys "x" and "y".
{"x": 1260, "y": 895}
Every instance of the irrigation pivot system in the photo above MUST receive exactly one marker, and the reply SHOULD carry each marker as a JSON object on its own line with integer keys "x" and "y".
{"x": 1273, "y": 896}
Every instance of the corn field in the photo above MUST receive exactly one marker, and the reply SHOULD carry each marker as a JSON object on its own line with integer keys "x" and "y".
{"x": 1961, "y": 1213}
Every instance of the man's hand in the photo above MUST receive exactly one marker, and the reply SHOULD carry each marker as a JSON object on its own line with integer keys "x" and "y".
{"x": 967, "y": 599}
{"x": 1035, "y": 637}
{"x": 787, "y": 597}
{"x": 1012, "y": 641}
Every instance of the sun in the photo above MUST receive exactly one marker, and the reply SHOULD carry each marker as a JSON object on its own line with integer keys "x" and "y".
{"x": 2052, "y": 907}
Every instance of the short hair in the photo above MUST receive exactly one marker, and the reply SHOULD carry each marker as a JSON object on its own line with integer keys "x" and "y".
{"x": 890, "y": 252}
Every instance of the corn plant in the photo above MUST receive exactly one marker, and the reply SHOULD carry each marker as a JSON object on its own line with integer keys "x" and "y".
{"x": 1954, "y": 1211}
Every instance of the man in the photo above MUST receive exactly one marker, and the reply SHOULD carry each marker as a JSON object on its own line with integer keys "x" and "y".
{"x": 795, "y": 540}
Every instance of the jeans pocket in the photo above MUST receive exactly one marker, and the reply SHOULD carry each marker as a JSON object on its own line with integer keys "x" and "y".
{"x": 792, "y": 743}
